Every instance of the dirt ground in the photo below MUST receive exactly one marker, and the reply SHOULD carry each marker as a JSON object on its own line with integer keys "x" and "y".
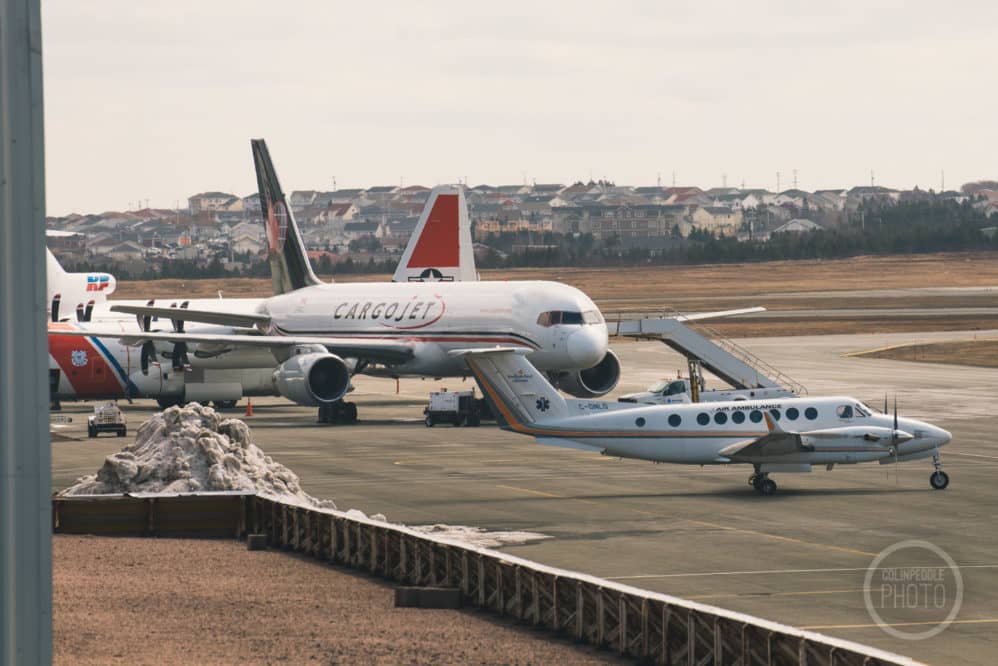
{"x": 776, "y": 285}
{"x": 982, "y": 353}
{"x": 173, "y": 601}
{"x": 662, "y": 283}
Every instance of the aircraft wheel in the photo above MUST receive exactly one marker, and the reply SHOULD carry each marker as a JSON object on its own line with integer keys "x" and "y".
{"x": 350, "y": 412}
{"x": 754, "y": 481}
{"x": 767, "y": 487}
{"x": 939, "y": 480}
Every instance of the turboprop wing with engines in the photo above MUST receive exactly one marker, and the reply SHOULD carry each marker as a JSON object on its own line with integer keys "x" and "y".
{"x": 321, "y": 334}
{"x": 783, "y": 435}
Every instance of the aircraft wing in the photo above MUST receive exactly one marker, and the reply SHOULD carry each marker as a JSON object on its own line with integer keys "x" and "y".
{"x": 770, "y": 445}
{"x": 386, "y": 351}
{"x": 697, "y": 316}
{"x": 242, "y": 320}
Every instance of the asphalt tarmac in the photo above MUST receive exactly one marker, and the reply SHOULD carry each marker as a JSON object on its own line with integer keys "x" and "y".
{"x": 799, "y": 557}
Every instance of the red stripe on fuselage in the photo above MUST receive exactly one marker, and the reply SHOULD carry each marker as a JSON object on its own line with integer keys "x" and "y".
{"x": 91, "y": 376}
{"x": 438, "y": 244}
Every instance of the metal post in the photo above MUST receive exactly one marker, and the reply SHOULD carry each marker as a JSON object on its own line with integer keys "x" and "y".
{"x": 25, "y": 458}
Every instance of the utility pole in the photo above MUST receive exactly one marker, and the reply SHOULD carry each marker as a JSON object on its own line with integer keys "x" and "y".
{"x": 25, "y": 449}
{"x": 724, "y": 180}
{"x": 777, "y": 181}
{"x": 873, "y": 180}
{"x": 334, "y": 183}
{"x": 942, "y": 181}
{"x": 795, "y": 179}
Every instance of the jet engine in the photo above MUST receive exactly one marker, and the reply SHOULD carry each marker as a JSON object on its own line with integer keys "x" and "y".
{"x": 312, "y": 379}
{"x": 591, "y": 382}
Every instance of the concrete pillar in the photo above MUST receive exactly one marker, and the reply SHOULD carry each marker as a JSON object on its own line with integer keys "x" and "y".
{"x": 25, "y": 460}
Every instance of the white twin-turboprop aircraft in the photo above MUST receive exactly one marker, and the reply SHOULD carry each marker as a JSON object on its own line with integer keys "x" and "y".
{"x": 321, "y": 334}
{"x": 784, "y": 435}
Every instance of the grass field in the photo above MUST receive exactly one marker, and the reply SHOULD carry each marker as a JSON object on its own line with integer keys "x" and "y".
{"x": 956, "y": 352}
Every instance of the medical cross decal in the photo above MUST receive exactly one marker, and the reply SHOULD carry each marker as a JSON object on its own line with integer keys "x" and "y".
{"x": 543, "y": 404}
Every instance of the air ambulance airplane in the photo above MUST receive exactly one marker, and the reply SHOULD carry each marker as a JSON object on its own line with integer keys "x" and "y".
{"x": 784, "y": 435}
{"x": 440, "y": 249}
{"x": 321, "y": 334}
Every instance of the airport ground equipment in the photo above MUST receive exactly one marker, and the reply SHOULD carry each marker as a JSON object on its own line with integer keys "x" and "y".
{"x": 458, "y": 408}
{"x": 647, "y": 627}
{"x": 681, "y": 391}
{"x": 690, "y": 337}
{"x": 106, "y": 418}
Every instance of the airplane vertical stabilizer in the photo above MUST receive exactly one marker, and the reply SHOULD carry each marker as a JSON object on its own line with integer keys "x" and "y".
{"x": 440, "y": 248}
{"x": 289, "y": 265}
{"x": 520, "y": 393}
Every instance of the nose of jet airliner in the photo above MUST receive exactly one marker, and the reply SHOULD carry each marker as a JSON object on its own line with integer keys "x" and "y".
{"x": 587, "y": 346}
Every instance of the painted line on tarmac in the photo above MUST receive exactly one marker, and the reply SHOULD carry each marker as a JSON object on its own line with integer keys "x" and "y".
{"x": 972, "y": 455}
{"x": 542, "y": 493}
{"x": 756, "y": 595}
{"x": 815, "y": 627}
{"x": 777, "y": 537}
{"x": 769, "y": 571}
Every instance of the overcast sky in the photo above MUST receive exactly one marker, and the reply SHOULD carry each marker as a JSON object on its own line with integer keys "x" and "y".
{"x": 158, "y": 101}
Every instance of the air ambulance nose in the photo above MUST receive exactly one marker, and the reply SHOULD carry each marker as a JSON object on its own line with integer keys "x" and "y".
{"x": 587, "y": 346}
{"x": 941, "y": 436}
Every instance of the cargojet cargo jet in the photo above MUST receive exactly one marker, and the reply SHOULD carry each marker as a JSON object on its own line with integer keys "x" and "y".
{"x": 321, "y": 334}
{"x": 782, "y": 435}
{"x": 440, "y": 249}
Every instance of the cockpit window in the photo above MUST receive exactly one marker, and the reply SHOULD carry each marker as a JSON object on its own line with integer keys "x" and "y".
{"x": 569, "y": 318}
{"x": 658, "y": 386}
{"x": 844, "y": 411}
{"x": 677, "y": 387}
{"x": 861, "y": 410}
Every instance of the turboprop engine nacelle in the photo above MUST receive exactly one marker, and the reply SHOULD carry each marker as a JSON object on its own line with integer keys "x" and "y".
{"x": 312, "y": 379}
{"x": 591, "y": 382}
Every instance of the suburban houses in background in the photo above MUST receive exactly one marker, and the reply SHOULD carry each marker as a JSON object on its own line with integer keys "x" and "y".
{"x": 374, "y": 224}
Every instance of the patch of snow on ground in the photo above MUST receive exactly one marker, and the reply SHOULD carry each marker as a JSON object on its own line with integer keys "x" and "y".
{"x": 478, "y": 536}
{"x": 194, "y": 449}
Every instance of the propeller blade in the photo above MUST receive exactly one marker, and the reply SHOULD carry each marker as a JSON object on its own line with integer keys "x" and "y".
{"x": 89, "y": 311}
{"x": 148, "y": 354}
{"x": 180, "y": 358}
{"x": 895, "y": 411}
{"x": 55, "y": 306}
{"x": 79, "y": 312}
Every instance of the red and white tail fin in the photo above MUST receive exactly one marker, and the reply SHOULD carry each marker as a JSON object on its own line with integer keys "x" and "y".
{"x": 440, "y": 247}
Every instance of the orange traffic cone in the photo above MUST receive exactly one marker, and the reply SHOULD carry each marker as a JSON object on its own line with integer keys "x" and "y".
{"x": 249, "y": 407}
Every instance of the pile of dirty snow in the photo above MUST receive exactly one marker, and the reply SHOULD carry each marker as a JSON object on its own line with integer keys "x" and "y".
{"x": 194, "y": 449}
{"x": 478, "y": 536}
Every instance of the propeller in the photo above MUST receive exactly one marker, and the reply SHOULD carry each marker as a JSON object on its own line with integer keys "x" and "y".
{"x": 55, "y": 307}
{"x": 178, "y": 324}
{"x": 180, "y": 358}
{"x": 148, "y": 355}
{"x": 894, "y": 442}
{"x": 79, "y": 311}
{"x": 89, "y": 311}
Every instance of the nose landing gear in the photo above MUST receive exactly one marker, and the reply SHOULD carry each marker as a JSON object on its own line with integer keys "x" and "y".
{"x": 938, "y": 479}
{"x": 762, "y": 483}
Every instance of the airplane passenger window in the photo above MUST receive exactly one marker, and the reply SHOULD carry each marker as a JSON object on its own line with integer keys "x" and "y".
{"x": 720, "y": 418}
{"x": 639, "y": 422}
{"x": 738, "y": 417}
{"x": 675, "y": 420}
{"x": 793, "y": 413}
{"x": 775, "y": 414}
{"x": 755, "y": 416}
{"x": 811, "y": 413}
{"x": 702, "y": 418}
{"x": 844, "y": 411}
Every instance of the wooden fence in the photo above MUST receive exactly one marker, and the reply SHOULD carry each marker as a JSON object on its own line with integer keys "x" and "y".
{"x": 646, "y": 626}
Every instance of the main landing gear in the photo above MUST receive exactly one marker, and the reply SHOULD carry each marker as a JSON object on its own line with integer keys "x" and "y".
{"x": 339, "y": 412}
{"x": 938, "y": 479}
{"x": 762, "y": 483}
